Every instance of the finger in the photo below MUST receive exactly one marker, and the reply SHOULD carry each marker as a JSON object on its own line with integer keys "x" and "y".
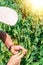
{"x": 19, "y": 61}
{"x": 22, "y": 48}
{"x": 17, "y": 55}
{"x": 21, "y": 56}
{"x": 19, "y": 64}
{"x": 14, "y": 52}
{"x": 17, "y": 48}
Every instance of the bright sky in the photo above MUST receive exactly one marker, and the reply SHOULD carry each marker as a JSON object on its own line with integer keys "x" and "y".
{"x": 37, "y": 4}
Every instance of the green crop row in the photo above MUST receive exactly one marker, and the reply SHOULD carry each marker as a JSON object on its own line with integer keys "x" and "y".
{"x": 27, "y": 33}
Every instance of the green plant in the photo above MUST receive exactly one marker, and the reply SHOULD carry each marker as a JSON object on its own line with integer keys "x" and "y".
{"x": 24, "y": 33}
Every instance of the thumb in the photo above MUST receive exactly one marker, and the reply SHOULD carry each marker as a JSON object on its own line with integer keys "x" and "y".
{"x": 22, "y": 55}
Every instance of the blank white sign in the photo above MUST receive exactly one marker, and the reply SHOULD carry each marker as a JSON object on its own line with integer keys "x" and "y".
{"x": 8, "y": 16}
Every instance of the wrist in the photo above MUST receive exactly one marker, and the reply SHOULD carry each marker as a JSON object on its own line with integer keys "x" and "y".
{"x": 10, "y": 47}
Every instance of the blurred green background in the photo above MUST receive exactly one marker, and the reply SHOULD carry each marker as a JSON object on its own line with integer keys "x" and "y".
{"x": 27, "y": 32}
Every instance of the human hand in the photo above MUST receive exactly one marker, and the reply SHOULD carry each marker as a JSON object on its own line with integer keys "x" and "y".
{"x": 16, "y": 48}
{"x": 16, "y": 59}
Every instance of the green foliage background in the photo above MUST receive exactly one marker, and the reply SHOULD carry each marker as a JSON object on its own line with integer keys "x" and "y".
{"x": 27, "y": 32}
